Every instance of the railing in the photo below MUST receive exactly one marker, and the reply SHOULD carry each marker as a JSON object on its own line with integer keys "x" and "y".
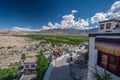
{"x": 49, "y": 70}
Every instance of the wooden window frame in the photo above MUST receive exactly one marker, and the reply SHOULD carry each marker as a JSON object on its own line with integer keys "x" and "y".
{"x": 27, "y": 66}
{"x": 102, "y": 26}
{"x": 32, "y": 65}
{"x": 108, "y": 25}
{"x": 116, "y": 63}
{"x": 117, "y": 69}
{"x": 117, "y": 26}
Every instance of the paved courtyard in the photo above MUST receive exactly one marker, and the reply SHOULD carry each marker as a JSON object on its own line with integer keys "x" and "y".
{"x": 76, "y": 70}
{"x": 61, "y": 70}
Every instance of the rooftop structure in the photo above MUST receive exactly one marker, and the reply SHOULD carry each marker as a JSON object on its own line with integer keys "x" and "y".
{"x": 104, "y": 50}
{"x": 109, "y": 26}
{"x": 57, "y": 53}
{"x": 30, "y": 60}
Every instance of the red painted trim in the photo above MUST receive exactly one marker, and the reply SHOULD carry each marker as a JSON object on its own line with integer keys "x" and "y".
{"x": 117, "y": 69}
{"x": 119, "y": 65}
{"x": 108, "y": 57}
{"x": 116, "y": 57}
{"x": 99, "y": 58}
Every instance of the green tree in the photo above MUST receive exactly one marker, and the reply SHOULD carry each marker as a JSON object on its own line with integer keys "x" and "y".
{"x": 8, "y": 73}
{"x": 86, "y": 57}
{"x": 53, "y": 44}
{"x": 42, "y": 66}
{"x": 23, "y": 57}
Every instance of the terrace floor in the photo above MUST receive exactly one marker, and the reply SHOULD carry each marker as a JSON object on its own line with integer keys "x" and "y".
{"x": 61, "y": 70}
{"x": 66, "y": 70}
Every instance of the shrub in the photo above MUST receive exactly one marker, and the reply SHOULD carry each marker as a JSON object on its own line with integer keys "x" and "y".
{"x": 42, "y": 66}
{"x": 2, "y": 47}
{"x": 9, "y": 47}
{"x": 8, "y": 73}
{"x": 86, "y": 57}
{"x": 23, "y": 57}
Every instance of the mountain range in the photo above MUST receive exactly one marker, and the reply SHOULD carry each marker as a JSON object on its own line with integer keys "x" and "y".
{"x": 65, "y": 31}
{"x": 51, "y": 32}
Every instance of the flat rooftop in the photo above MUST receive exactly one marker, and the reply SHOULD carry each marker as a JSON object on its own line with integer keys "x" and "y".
{"x": 103, "y": 34}
{"x": 109, "y": 20}
{"x": 30, "y": 60}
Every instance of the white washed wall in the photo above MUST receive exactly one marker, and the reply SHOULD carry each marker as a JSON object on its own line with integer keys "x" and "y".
{"x": 29, "y": 65}
{"x": 92, "y": 63}
{"x": 92, "y": 58}
{"x": 113, "y": 23}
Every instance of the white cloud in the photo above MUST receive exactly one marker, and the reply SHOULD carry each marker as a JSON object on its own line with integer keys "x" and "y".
{"x": 74, "y": 11}
{"x": 53, "y": 25}
{"x": 82, "y": 24}
{"x": 69, "y": 22}
{"x": 98, "y": 17}
{"x": 24, "y": 29}
{"x": 115, "y": 7}
{"x": 112, "y": 13}
{"x": 68, "y": 17}
{"x": 20, "y": 29}
{"x": 45, "y": 28}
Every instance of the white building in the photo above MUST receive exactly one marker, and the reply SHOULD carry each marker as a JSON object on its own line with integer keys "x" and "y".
{"x": 30, "y": 64}
{"x": 104, "y": 50}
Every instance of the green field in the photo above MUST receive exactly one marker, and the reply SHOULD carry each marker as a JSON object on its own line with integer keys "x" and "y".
{"x": 8, "y": 73}
{"x": 74, "y": 40}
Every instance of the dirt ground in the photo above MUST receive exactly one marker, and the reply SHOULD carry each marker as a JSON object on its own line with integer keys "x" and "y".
{"x": 12, "y": 47}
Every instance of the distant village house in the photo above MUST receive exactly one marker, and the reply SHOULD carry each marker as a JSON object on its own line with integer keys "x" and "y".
{"x": 30, "y": 64}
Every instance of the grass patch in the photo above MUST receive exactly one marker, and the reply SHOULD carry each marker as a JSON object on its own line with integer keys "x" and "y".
{"x": 8, "y": 73}
{"x": 74, "y": 40}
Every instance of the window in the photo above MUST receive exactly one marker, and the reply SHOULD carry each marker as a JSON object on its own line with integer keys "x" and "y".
{"x": 108, "y": 25}
{"x": 27, "y": 66}
{"x": 101, "y": 26}
{"x": 104, "y": 60}
{"x": 119, "y": 66}
{"x": 33, "y": 65}
{"x": 109, "y": 62}
{"x": 112, "y": 63}
{"x": 117, "y": 26}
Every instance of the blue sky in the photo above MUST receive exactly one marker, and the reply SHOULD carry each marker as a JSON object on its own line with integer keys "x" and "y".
{"x": 36, "y": 14}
